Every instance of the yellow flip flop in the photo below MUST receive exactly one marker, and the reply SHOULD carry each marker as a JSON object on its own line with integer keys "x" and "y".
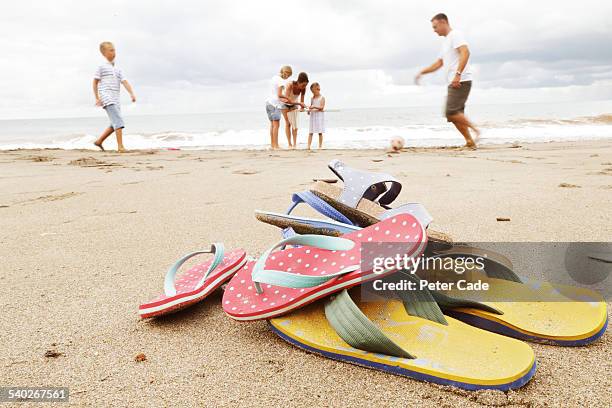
{"x": 535, "y": 311}
{"x": 423, "y": 345}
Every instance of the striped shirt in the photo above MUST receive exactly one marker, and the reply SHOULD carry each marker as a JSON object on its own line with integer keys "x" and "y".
{"x": 110, "y": 78}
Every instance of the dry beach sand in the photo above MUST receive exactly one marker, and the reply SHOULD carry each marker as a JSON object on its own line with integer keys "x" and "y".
{"x": 86, "y": 236}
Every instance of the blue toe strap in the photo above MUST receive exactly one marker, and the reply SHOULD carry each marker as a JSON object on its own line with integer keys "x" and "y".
{"x": 319, "y": 205}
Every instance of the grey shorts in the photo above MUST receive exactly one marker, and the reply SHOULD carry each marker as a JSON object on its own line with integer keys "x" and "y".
{"x": 273, "y": 112}
{"x": 114, "y": 114}
{"x": 455, "y": 101}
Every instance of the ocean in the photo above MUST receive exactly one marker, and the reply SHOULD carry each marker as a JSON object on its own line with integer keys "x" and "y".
{"x": 350, "y": 128}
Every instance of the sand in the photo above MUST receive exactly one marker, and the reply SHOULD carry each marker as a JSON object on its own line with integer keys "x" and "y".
{"x": 86, "y": 236}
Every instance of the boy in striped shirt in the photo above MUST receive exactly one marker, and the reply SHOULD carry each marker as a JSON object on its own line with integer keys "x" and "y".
{"x": 106, "y": 85}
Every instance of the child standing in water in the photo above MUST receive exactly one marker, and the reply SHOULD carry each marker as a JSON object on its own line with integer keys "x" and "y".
{"x": 317, "y": 115}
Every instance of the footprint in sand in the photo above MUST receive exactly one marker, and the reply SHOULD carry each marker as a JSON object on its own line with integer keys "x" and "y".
{"x": 37, "y": 158}
{"x": 91, "y": 162}
{"x": 245, "y": 172}
{"x": 569, "y": 185}
{"x": 51, "y": 197}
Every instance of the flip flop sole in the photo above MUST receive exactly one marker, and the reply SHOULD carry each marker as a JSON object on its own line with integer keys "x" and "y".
{"x": 186, "y": 296}
{"x": 503, "y": 329}
{"x": 543, "y": 313}
{"x": 458, "y": 354}
{"x": 299, "y": 225}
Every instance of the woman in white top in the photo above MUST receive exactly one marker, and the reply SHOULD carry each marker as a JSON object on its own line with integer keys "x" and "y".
{"x": 293, "y": 91}
{"x": 317, "y": 115}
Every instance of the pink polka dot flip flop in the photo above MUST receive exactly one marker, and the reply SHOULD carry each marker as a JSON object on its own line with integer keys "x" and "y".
{"x": 285, "y": 280}
{"x": 197, "y": 283}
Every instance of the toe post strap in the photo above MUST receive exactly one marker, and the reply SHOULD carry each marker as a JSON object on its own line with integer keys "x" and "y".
{"x": 261, "y": 275}
{"x": 217, "y": 249}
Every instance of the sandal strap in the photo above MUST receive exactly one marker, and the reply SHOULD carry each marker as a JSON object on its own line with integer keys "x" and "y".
{"x": 260, "y": 275}
{"x": 419, "y": 302}
{"x": 496, "y": 265}
{"x": 418, "y": 210}
{"x": 319, "y": 205}
{"x": 216, "y": 248}
{"x": 360, "y": 184}
{"x": 357, "y": 330}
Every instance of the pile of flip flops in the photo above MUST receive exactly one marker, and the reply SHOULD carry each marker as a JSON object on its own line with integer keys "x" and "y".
{"x": 302, "y": 286}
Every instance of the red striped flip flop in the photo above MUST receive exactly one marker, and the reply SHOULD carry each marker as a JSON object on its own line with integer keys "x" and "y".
{"x": 197, "y": 283}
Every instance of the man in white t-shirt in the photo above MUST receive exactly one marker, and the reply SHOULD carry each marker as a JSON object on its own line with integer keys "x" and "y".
{"x": 454, "y": 56}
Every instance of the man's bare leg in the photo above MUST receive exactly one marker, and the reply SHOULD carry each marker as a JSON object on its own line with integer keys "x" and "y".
{"x": 107, "y": 132}
{"x": 474, "y": 129}
{"x": 463, "y": 126}
{"x": 320, "y": 140}
{"x": 120, "y": 147}
{"x": 309, "y": 140}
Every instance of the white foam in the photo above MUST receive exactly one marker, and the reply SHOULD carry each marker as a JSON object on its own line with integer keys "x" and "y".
{"x": 337, "y": 138}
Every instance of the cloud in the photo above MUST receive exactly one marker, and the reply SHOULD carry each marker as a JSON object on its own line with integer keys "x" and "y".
{"x": 217, "y": 55}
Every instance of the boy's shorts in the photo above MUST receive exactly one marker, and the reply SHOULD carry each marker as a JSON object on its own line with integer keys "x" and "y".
{"x": 455, "y": 101}
{"x": 114, "y": 114}
{"x": 273, "y": 112}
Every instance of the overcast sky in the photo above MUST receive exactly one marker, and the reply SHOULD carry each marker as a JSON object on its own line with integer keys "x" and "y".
{"x": 215, "y": 56}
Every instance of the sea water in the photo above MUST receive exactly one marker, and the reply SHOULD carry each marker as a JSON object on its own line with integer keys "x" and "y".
{"x": 347, "y": 128}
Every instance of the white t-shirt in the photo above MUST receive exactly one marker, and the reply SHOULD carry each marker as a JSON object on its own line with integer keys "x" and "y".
{"x": 110, "y": 77}
{"x": 275, "y": 83}
{"x": 450, "y": 56}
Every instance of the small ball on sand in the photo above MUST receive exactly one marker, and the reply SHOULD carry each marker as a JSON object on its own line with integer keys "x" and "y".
{"x": 397, "y": 143}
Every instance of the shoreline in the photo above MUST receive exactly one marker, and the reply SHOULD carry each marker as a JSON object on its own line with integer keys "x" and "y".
{"x": 483, "y": 146}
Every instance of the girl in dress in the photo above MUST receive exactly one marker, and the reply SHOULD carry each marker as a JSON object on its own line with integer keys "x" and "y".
{"x": 317, "y": 115}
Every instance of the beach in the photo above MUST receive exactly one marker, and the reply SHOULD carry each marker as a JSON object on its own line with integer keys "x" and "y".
{"x": 87, "y": 236}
